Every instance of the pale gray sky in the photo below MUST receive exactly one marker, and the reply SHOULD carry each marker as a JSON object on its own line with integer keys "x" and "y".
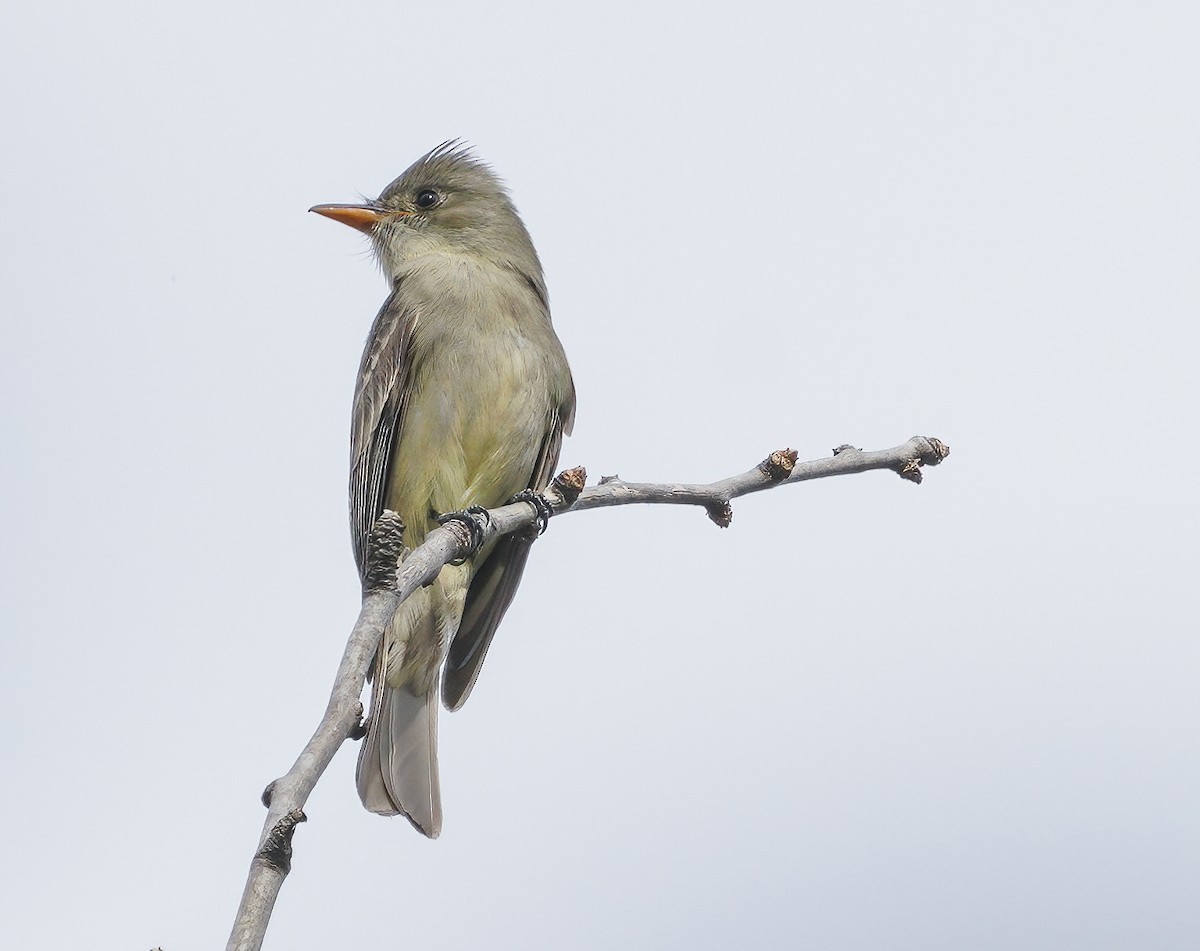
{"x": 867, "y": 716}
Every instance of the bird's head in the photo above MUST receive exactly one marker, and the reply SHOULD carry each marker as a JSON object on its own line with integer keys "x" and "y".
{"x": 447, "y": 201}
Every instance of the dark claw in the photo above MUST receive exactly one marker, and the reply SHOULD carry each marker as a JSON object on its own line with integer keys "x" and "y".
{"x": 476, "y": 519}
{"x": 541, "y": 508}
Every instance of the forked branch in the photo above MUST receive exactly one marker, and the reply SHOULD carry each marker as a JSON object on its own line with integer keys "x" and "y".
{"x": 393, "y": 575}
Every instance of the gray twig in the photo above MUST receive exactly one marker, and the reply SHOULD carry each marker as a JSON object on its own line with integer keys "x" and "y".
{"x": 389, "y": 586}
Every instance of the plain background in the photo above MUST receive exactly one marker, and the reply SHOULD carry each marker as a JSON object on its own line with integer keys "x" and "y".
{"x": 868, "y": 715}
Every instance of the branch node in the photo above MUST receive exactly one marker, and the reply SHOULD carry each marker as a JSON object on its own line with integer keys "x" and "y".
{"x": 385, "y": 550}
{"x": 911, "y": 470}
{"x": 359, "y": 729}
{"x": 276, "y": 851}
{"x": 932, "y": 452}
{"x": 720, "y": 512}
{"x": 267, "y": 793}
{"x": 568, "y": 484}
{"x": 845, "y": 447}
{"x": 605, "y": 480}
{"x": 779, "y": 464}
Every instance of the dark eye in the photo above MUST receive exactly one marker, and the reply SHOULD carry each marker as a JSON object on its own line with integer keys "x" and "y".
{"x": 427, "y": 198}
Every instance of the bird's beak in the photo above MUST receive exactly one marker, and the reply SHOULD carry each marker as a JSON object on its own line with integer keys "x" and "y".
{"x": 362, "y": 217}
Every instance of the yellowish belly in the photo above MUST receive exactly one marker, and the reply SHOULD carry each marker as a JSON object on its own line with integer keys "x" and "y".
{"x": 473, "y": 426}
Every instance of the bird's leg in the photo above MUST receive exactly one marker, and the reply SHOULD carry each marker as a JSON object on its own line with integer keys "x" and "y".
{"x": 476, "y": 519}
{"x": 541, "y": 508}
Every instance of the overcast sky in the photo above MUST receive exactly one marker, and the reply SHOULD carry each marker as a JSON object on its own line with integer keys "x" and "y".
{"x": 869, "y": 715}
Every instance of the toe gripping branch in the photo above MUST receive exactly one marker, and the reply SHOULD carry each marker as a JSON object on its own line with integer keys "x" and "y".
{"x": 476, "y": 520}
{"x": 541, "y": 509}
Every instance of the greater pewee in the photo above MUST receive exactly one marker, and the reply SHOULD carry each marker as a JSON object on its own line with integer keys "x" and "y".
{"x": 463, "y": 398}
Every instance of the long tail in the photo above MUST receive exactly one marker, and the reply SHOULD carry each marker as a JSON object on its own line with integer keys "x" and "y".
{"x": 397, "y": 766}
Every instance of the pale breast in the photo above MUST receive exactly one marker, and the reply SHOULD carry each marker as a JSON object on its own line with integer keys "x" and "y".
{"x": 485, "y": 383}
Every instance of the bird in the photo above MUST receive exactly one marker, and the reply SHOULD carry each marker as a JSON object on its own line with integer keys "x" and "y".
{"x": 462, "y": 399}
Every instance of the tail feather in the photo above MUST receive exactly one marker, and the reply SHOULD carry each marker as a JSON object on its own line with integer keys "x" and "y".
{"x": 397, "y": 766}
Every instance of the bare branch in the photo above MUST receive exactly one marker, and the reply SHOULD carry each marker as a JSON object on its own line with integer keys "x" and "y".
{"x": 779, "y": 468}
{"x": 388, "y": 586}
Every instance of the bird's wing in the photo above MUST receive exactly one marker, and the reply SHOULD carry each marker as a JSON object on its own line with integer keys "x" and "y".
{"x": 379, "y": 402}
{"x": 495, "y": 582}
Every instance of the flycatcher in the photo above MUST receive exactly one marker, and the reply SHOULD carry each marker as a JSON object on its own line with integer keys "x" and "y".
{"x": 463, "y": 397}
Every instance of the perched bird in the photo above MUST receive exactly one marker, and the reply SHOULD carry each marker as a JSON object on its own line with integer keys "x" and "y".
{"x": 463, "y": 398}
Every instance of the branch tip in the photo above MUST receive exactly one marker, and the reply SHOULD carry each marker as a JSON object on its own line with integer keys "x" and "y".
{"x": 779, "y": 464}
{"x": 938, "y": 451}
{"x": 930, "y": 452}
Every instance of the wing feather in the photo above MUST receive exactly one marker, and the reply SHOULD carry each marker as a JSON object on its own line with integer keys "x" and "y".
{"x": 494, "y": 584}
{"x": 379, "y": 401}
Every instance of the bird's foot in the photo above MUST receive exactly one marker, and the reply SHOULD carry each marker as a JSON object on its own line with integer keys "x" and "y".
{"x": 541, "y": 509}
{"x": 475, "y": 519}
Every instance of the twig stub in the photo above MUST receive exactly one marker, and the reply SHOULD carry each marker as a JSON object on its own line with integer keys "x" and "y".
{"x": 779, "y": 464}
{"x": 385, "y": 549}
{"x": 359, "y": 729}
{"x": 569, "y": 483}
{"x": 911, "y": 470}
{"x": 276, "y": 851}
{"x": 721, "y": 513}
